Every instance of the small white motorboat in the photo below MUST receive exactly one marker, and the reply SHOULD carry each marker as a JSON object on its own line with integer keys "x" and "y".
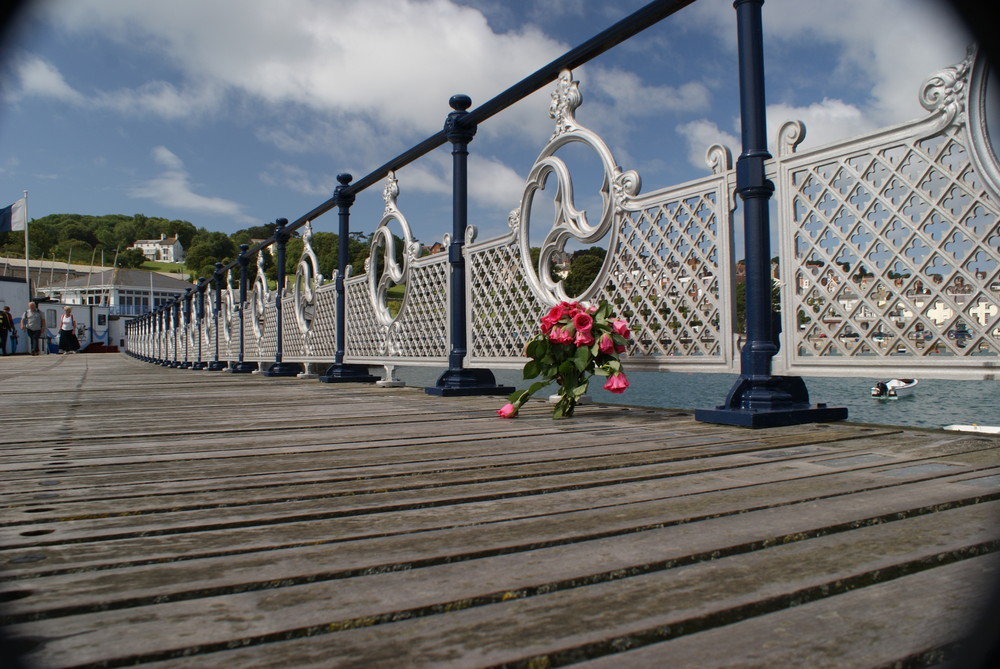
{"x": 984, "y": 429}
{"x": 893, "y": 389}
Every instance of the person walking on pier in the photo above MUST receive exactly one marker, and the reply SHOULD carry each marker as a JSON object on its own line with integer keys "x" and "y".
{"x": 6, "y": 327}
{"x": 68, "y": 343}
{"x": 34, "y": 323}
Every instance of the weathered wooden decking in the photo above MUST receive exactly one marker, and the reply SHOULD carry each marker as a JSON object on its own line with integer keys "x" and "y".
{"x": 199, "y": 519}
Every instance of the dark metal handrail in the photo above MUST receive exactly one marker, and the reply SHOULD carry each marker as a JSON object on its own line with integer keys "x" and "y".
{"x": 628, "y": 27}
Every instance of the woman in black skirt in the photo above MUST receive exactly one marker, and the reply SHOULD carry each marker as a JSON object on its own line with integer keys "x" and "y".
{"x": 68, "y": 343}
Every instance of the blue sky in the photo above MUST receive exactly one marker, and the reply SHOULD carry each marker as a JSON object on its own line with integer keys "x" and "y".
{"x": 230, "y": 114}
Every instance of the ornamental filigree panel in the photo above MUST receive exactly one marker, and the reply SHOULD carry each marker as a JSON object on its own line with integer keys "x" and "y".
{"x": 413, "y": 328}
{"x": 666, "y": 270}
{"x": 260, "y": 325}
{"x": 892, "y": 243}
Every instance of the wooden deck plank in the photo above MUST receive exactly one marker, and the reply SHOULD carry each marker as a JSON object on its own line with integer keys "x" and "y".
{"x": 312, "y": 521}
{"x": 352, "y": 533}
{"x": 257, "y": 569}
{"x": 753, "y": 485}
{"x": 856, "y": 629}
{"x": 517, "y": 607}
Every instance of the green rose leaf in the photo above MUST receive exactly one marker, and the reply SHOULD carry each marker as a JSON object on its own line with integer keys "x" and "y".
{"x": 532, "y": 369}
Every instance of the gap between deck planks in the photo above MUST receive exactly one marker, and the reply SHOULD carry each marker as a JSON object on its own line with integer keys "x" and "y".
{"x": 183, "y": 518}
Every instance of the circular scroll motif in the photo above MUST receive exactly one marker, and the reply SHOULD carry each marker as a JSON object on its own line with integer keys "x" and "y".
{"x": 307, "y": 279}
{"x": 984, "y": 115}
{"x": 208, "y": 314}
{"x": 228, "y": 309}
{"x": 384, "y": 270}
{"x": 570, "y": 223}
{"x": 258, "y": 300}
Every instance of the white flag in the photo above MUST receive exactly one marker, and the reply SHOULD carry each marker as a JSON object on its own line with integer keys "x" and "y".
{"x": 13, "y": 217}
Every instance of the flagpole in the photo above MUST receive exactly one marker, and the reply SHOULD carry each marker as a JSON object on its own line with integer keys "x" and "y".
{"x": 27, "y": 263}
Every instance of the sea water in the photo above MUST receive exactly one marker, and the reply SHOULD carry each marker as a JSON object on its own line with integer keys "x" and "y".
{"x": 934, "y": 403}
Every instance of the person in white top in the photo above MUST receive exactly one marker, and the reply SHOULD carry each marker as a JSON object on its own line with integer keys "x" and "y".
{"x": 68, "y": 343}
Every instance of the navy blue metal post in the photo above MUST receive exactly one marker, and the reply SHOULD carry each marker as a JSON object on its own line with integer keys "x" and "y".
{"x": 759, "y": 399}
{"x": 241, "y": 366}
{"x": 457, "y": 380}
{"x": 280, "y": 368}
{"x": 216, "y": 364}
{"x": 339, "y": 372}
{"x": 187, "y": 328}
{"x": 199, "y": 310}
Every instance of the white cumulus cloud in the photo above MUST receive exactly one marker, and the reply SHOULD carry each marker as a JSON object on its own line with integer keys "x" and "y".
{"x": 173, "y": 188}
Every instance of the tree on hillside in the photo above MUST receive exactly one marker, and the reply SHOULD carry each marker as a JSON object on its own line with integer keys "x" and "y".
{"x": 247, "y": 235}
{"x": 582, "y": 272}
{"x": 131, "y": 259}
{"x": 583, "y": 269}
{"x": 80, "y": 252}
{"x": 58, "y": 233}
{"x": 210, "y": 248}
{"x": 184, "y": 231}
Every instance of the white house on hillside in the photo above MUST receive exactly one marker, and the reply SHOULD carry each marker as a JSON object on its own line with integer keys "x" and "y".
{"x": 164, "y": 249}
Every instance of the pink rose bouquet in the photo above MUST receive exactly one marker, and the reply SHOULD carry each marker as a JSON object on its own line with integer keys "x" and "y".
{"x": 575, "y": 343}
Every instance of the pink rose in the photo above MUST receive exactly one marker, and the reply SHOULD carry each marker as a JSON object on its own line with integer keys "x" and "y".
{"x": 550, "y": 319}
{"x": 583, "y": 321}
{"x": 560, "y": 335}
{"x": 507, "y": 411}
{"x": 616, "y": 383}
{"x": 607, "y": 344}
{"x": 621, "y": 328}
{"x": 584, "y": 339}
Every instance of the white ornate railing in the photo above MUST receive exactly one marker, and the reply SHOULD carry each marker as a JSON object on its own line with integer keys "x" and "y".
{"x": 889, "y": 258}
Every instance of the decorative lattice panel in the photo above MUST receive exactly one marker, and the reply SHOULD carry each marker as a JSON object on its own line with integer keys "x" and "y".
{"x": 890, "y": 246}
{"x": 366, "y": 336}
{"x": 323, "y": 335}
{"x": 504, "y": 310}
{"x": 419, "y": 331}
{"x": 671, "y": 277}
{"x": 260, "y": 327}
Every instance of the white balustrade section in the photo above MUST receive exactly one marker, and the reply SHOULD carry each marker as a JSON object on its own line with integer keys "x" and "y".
{"x": 889, "y": 258}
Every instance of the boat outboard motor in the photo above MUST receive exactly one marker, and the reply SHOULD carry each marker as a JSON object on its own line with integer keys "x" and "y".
{"x": 880, "y": 390}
